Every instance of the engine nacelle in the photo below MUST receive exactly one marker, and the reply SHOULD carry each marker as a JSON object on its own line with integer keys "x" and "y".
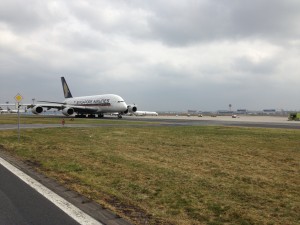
{"x": 37, "y": 109}
{"x": 131, "y": 109}
{"x": 68, "y": 111}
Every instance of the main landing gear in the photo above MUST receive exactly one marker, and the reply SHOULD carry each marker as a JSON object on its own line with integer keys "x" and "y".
{"x": 80, "y": 116}
{"x": 119, "y": 116}
{"x": 89, "y": 116}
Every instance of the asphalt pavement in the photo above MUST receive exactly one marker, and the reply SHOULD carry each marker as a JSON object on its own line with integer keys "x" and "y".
{"x": 28, "y": 197}
{"x": 21, "y": 205}
{"x": 247, "y": 121}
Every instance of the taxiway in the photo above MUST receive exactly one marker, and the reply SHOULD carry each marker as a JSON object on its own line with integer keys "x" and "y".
{"x": 242, "y": 121}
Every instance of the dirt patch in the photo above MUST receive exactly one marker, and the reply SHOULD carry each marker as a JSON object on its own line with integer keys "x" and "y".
{"x": 136, "y": 214}
{"x": 33, "y": 163}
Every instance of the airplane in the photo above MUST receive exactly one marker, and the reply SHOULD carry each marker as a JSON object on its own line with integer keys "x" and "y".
{"x": 9, "y": 110}
{"x": 3, "y": 110}
{"x": 16, "y": 111}
{"x": 145, "y": 113}
{"x": 86, "y": 105}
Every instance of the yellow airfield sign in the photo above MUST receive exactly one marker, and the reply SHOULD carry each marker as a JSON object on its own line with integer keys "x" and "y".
{"x": 18, "y": 98}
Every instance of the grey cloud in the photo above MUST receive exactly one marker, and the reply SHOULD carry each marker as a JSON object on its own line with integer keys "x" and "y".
{"x": 171, "y": 22}
{"x": 262, "y": 68}
{"x": 146, "y": 51}
{"x": 203, "y": 21}
{"x": 25, "y": 17}
{"x": 113, "y": 17}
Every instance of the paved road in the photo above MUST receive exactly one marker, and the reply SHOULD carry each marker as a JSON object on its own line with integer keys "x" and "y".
{"x": 27, "y": 197}
{"x": 21, "y": 205}
{"x": 281, "y": 124}
{"x": 259, "y": 122}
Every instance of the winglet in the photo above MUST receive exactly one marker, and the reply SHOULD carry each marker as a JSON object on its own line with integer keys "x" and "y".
{"x": 67, "y": 92}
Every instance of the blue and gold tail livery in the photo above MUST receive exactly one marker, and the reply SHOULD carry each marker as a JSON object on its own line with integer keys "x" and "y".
{"x": 67, "y": 92}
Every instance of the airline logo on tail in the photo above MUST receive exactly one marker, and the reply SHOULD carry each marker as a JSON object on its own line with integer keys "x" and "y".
{"x": 67, "y": 92}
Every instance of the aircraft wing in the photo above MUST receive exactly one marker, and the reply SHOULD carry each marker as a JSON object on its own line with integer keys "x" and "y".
{"x": 3, "y": 104}
{"x": 47, "y": 105}
{"x": 62, "y": 106}
{"x": 13, "y": 104}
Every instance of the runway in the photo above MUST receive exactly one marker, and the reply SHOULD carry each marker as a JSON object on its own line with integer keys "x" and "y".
{"x": 21, "y": 205}
{"x": 242, "y": 121}
{"x": 29, "y": 198}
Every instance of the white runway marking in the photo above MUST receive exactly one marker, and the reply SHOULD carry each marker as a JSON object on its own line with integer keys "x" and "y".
{"x": 75, "y": 213}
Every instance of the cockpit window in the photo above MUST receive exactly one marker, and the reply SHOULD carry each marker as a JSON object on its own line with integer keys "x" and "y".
{"x": 120, "y": 101}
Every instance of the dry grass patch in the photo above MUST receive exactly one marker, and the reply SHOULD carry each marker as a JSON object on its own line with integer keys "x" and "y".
{"x": 174, "y": 175}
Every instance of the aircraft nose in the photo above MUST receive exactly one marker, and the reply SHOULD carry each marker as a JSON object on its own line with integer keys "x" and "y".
{"x": 124, "y": 106}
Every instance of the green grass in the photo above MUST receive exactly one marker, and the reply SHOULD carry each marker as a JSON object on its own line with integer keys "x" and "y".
{"x": 41, "y": 119}
{"x": 174, "y": 175}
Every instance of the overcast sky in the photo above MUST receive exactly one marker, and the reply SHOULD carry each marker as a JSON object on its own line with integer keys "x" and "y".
{"x": 161, "y": 55}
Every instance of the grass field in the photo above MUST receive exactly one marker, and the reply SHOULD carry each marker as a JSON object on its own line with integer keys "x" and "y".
{"x": 173, "y": 175}
{"x": 40, "y": 119}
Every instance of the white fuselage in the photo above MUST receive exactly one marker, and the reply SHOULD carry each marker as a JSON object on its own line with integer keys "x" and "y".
{"x": 145, "y": 113}
{"x": 107, "y": 103}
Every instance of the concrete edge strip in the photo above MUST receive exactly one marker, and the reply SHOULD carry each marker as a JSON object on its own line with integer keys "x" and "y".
{"x": 74, "y": 212}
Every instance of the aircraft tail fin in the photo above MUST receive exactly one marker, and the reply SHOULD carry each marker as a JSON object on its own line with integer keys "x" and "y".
{"x": 67, "y": 92}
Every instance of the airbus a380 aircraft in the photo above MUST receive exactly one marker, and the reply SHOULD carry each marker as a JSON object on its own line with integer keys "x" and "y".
{"x": 86, "y": 105}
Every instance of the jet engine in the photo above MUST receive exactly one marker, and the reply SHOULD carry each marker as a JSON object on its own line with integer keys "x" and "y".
{"x": 37, "y": 109}
{"x": 131, "y": 109}
{"x": 68, "y": 111}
